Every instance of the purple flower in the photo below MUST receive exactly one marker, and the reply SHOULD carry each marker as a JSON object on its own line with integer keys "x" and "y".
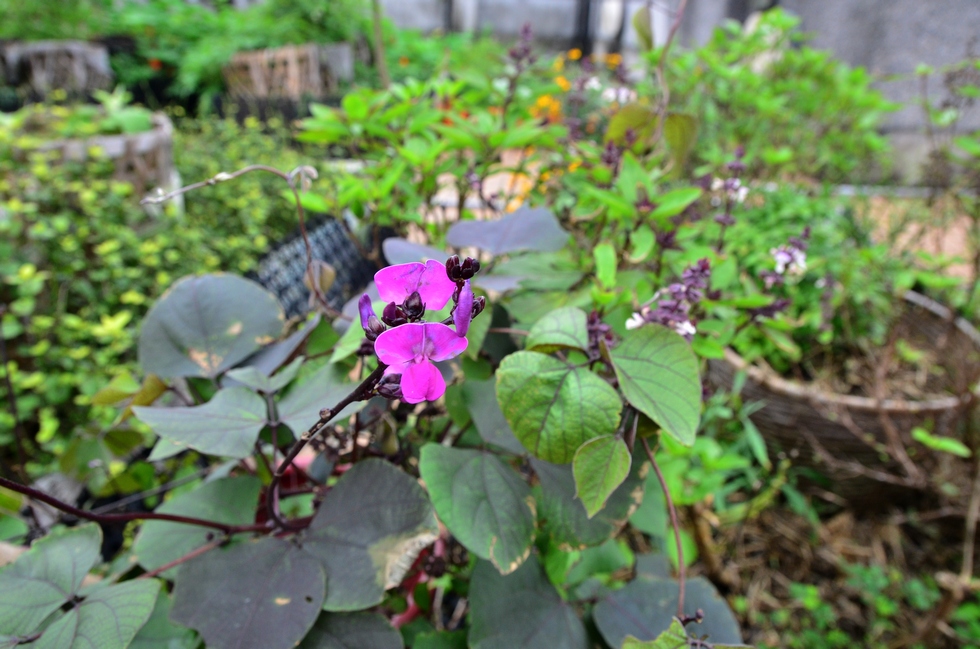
{"x": 410, "y": 349}
{"x": 464, "y": 309}
{"x": 397, "y": 283}
{"x": 366, "y": 311}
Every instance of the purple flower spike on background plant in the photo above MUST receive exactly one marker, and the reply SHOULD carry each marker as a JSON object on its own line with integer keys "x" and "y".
{"x": 464, "y": 309}
{"x": 411, "y": 349}
{"x": 397, "y": 283}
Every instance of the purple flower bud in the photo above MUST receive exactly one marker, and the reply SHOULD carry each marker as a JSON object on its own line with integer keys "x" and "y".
{"x": 393, "y": 315}
{"x": 365, "y": 309}
{"x": 390, "y": 386}
{"x": 374, "y": 328}
{"x": 479, "y": 304}
{"x": 414, "y": 308}
{"x": 463, "y": 313}
{"x": 469, "y": 268}
{"x": 725, "y": 219}
{"x": 452, "y": 268}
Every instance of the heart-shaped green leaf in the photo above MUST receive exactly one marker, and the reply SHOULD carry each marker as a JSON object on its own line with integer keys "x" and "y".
{"x": 251, "y": 376}
{"x": 564, "y": 327}
{"x": 553, "y": 408}
{"x": 600, "y": 466}
{"x": 368, "y": 531}
{"x": 204, "y": 325}
{"x": 41, "y": 580}
{"x": 160, "y": 633}
{"x": 658, "y": 374}
{"x": 521, "y": 610}
{"x": 227, "y": 425}
{"x": 483, "y": 502}
{"x": 107, "y": 618}
{"x": 352, "y": 631}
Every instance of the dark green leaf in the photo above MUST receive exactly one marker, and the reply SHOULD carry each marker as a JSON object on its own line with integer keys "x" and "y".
{"x": 525, "y": 229}
{"x": 160, "y": 633}
{"x": 645, "y": 608}
{"x": 521, "y": 610}
{"x": 262, "y": 594}
{"x": 45, "y": 577}
{"x": 600, "y": 466}
{"x": 352, "y": 631}
{"x": 227, "y": 425}
{"x": 483, "y": 502}
{"x": 368, "y": 531}
{"x": 481, "y": 400}
{"x": 658, "y": 374}
{"x": 107, "y": 618}
{"x": 204, "y": 325}
{"x": 564, "y": 515}
{"x": 554, "y": 408}
{"x": 564, "y": 327}
{"x": 300, "y": 408}
{"x": 228, "y": 500}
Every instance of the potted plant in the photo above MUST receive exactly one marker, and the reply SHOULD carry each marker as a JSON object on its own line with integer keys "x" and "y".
{"x": 137, "y": 141}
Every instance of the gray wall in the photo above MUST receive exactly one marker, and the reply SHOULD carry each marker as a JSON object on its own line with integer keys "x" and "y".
{"x": 891, "y": 37}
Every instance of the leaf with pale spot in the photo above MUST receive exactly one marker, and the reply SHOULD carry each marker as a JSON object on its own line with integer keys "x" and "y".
{"x": 227, "y": 425}
{"x": 262, "y": 594}
{"x": 482, "y": 501}
{"x": 658, "y": 374}
{"x": 600, "y": 466}
{"x": 204, "y": 325}
{"x": 368, "y": 531}
{"x": 565, "y": 327}
{"x": 553, "y": 408}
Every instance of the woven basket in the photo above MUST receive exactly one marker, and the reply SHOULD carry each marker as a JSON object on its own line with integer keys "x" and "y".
{"x": 42, "y": 66}
{"x": 293, "y": 71}
{"x": 812, "y": 424}
{"x": 143, "y": 159}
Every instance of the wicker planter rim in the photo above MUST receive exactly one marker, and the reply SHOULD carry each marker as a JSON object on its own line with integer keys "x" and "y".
{"x": 811, "y": 392}
{"x": 114, "y": 146}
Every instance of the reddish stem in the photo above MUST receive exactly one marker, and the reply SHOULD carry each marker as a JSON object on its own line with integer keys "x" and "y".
{"x": 681, "y": 568}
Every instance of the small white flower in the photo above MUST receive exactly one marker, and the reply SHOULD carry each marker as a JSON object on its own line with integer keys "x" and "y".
{"x": 717, "y": 184}
{"x": 593, "y": 83}
{"x": 685, "y": 328}
{"x": 635, "y": 321}
{"x": 741, "y": 194}
{"x": 790, "y": 260}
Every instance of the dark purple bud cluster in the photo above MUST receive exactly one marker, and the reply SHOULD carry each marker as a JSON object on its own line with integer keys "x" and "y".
{"x": 394, "y": 315}
{"x": 390, "y": 386}
{"x": 521, "y": 54}
{"x": 682, "y": 298}
{"x": 611, "y": 155}
{"x": 599, "y": 331}
{"x": 770, "y": 310}
{"x": 460, "y": 271}
{"x": 414, "y": 308}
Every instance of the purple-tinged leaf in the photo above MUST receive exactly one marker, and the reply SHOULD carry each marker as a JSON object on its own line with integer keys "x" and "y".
{"x": 526, "y": 229}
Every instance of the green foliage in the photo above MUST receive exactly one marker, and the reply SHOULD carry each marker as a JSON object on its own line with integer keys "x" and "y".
{"x": 53, "y": 19}
{"x": 32, "y": 126}
{"x": 795, "y": 109}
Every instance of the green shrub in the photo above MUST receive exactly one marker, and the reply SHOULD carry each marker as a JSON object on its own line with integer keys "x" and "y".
{"x": 797, "y": 110}
{"x": 80, "y": 261}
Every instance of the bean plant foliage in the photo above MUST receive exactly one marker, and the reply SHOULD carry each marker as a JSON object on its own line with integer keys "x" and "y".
{"x": 452, "y": 460}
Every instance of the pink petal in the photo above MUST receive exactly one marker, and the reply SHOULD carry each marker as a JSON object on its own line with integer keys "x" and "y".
{"x": 401, "y": 344}
{"x": 435, "y": 287}
{"x": 464, "y": 310}
{"x": 395, "y": 283}
{"x": 442, "y": 343}
{"x": 422, "y": 382}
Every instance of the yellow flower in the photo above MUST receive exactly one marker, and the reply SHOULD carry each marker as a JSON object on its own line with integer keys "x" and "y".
{"x": 574, "y": 165}
{"x": 574, "y": 54}
{"x": 559, "y": 63}
{"x": 613, "y": 60}
{"x": 563, "y": 83}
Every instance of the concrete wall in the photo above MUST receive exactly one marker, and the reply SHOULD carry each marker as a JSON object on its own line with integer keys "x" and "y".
{"x": 891, "y": 37}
